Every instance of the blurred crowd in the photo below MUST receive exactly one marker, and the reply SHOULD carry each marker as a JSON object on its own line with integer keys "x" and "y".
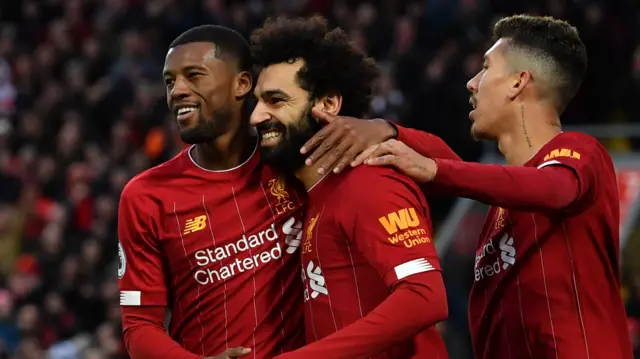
{"x": 82, "y": 110}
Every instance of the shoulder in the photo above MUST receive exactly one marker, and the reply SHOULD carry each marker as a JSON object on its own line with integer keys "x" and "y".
{"x": 372, "y": 183}
{"x": 577, "y": 146}
{"x": 146, "y": 183}
{"x": 575, "y": 140}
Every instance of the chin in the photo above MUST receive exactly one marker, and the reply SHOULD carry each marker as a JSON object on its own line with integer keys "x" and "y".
{"x": 478, "y": 133}
{"x": 194, "y": 136}
{"x": 283, "y": 158}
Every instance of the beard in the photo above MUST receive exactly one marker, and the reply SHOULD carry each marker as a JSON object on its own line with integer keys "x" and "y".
{"x": 207, "y": 130}
{"x": 285, "y": 156}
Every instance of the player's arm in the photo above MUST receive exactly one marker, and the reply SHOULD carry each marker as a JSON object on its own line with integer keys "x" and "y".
{"x": 563, "y": 180}
{"x": 345, "y": 140}
{"x": 426, "y": 144}
{"x": 143, "y": 292}
{"x": 550, "y": 187}
{"x": 406, "y": 260}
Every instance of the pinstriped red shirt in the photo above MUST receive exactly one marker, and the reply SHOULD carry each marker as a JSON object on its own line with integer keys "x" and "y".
{"x": 218, "y": 248}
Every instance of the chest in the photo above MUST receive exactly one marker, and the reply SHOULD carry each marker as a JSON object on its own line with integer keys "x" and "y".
{"x": 245, "y": 224}
{"x": 496, "y": 251}
{"x": 324, "y": 241}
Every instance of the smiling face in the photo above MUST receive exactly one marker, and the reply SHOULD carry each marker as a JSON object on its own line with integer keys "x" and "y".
{"x": 491, "y": 94}
{"x": 282, "y": 116}
{"x": 199, "y": 91}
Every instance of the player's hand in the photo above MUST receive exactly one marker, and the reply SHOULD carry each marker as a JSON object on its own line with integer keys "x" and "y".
{"x": 395, "y": 153}
{"x": 342, "y": 139}
{"x": 231, "y": 353}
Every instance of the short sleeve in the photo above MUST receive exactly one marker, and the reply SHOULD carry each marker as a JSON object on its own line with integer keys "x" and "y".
{"x": 388, "y": 221}
{"x": 581, "y": 154}
{"x": 141, "y": 274}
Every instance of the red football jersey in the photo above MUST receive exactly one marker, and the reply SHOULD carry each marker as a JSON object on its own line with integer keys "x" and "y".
{"x": 218, "y": 248}
{"x": 365, "y": 231}
{"x": 547, "y": 285}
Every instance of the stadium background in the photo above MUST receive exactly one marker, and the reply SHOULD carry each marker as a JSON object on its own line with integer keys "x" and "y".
{"x": 82, "y": 110}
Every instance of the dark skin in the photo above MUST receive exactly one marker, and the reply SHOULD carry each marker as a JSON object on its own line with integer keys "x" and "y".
{"x": 196, "y": 78}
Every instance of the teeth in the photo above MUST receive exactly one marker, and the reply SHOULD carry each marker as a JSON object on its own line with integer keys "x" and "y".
{"x": 183, "y": 110}
{"x": 270, "y": 135}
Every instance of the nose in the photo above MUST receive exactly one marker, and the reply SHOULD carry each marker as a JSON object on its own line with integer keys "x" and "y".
{"x": 472, "y": 85}
{"x": 179, "y": 90}
{"x": 259, "y": 114}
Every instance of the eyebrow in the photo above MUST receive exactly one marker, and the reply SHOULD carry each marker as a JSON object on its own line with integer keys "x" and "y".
{"x": 272, "y": 92}
{"x": 185, "y": 69}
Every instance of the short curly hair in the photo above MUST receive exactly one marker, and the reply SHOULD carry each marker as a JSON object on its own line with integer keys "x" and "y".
{"x": 553, "y": 49}
{"x": 332, "y": 62}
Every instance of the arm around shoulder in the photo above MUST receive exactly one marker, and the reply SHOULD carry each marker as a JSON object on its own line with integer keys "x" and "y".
{"x": 426, "y": 144}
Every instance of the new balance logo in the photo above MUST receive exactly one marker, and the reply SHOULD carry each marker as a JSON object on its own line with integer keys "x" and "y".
{"x": 400, "y": 220}
{"x": 196, "y": 224}
{"x": 316, "y": 281}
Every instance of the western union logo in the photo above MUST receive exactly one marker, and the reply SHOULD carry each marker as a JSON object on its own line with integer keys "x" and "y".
{"x": 400, "y": 220}
{"x": 196, "y": 224}
{"x": 401, "y": 226}
{"x": 562, "y": 152}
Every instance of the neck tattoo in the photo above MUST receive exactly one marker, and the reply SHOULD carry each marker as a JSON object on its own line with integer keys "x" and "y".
{"x": 524, "y": 127}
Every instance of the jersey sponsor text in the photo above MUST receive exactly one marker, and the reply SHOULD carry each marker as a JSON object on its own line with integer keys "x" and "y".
{"x": 496, "y": 263}
{"x": 205, "y": 257}
{"x": 401, "y": 227}
{"x": 562, "y": 152}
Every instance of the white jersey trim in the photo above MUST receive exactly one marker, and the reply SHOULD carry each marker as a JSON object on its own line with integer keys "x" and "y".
{"x": 130, "y": 298}
{"x": 415, "y": 266}
{"x": 549, "y": 163}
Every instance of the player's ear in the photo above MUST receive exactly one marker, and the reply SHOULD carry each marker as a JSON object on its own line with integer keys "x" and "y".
{"x": 244, "y": 83}
{"x": 520, "y": 81}
{"x": 330, "y": 103}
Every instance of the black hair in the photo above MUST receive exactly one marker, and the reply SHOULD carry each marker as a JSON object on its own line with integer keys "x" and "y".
{"x": 332, "y": 62}
{"x": 230, "y": 45}
{"x": 556, "y": 46}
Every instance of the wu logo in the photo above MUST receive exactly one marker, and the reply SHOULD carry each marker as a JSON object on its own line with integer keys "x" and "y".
{"x": 277, "y": 189}
{"x": 196, "y": 224}
{"x": 316, "y": 281}
{"x": 400, "y": 220}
